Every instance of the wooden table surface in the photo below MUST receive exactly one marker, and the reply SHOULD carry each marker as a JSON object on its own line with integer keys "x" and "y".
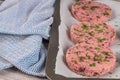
{"x": 14, "y": 74}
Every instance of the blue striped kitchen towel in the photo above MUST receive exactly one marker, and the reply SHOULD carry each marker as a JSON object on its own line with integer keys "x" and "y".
{"x": 23, "y": 26}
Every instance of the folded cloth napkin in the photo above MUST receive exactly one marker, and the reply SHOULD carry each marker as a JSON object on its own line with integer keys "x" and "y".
{"x": 23, "y": 25}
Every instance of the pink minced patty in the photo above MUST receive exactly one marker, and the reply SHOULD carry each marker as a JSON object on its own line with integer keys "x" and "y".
{"x": 90, "y": 60}
{"x": 91, "y": 11}
{"x": 85, "y": 0}
{"x": 100, "y": 34}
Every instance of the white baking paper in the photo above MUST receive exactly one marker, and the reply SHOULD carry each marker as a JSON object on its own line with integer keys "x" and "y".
{"x": 64, "y": 40}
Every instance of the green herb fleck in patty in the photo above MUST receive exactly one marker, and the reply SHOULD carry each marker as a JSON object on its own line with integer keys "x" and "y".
{"x": 106, "y": 60}
{"x": 106, "y": 13}
{"x": 98, "y": 58}
{"x": 81, "y": 35}
{"x": 92, "y": 65}
{"x": 105, "y": 53}
{"x": 99, "y": 30}
{"x": 85, "y": 27}
{"x": 91, "y": 33}
{"x": 101, "y": 39}
{"x": 81, "y": 58}
{"x": 74, "y": 61}
{"x": 97, "y": 48}
{"x": 93, "y": 8}
{"x": 84, "y": 7}
{"x": 88, "y": 56}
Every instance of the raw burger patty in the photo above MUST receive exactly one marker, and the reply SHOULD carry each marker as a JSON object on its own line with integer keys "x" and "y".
{"x": 90, "y": 60}
{"x": 85, "y": 0}
{"x": 91, "y": 11}
{"x": 96, "y": 33}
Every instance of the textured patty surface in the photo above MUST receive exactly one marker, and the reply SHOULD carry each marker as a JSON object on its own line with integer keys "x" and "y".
{"x": 90, "y": 60}
{"x": 100, "y": 34}
{"x": 91, "y": 11}
{"x": 85, "y": 0}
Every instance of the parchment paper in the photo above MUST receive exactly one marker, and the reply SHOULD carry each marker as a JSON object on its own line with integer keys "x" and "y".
{"x": 64, "y": 40}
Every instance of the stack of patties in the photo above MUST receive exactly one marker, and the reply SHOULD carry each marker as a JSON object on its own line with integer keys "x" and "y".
{"x": 91, "y": 55}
